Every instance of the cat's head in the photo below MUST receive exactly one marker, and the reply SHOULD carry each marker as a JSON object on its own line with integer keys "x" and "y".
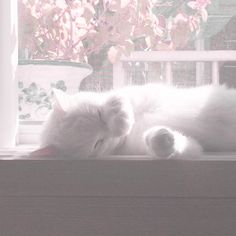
{"x": 75, "y": 126}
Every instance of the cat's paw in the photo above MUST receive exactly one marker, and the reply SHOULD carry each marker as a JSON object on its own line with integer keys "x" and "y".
{"x": 160, "y": 142}
{"x": 118, "y": 115}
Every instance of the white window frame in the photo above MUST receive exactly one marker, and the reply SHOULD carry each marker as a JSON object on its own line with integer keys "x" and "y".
{"x": 8, "y": 65}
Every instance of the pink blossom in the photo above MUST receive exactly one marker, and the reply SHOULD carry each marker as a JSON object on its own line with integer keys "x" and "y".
{"x": 75, "y": 29}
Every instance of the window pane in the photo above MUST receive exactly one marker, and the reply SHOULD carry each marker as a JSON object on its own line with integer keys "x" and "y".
{"x": 219, "y": 33}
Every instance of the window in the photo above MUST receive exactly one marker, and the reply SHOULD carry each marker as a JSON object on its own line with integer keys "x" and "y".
{"x": 198, "y": 68}
{"x": 116, "y": 197}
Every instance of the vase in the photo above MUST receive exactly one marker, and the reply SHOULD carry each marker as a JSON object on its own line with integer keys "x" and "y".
{"x": 37, "y": 78}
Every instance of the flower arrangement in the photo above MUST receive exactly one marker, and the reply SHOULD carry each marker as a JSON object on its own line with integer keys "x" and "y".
{"x": 77, "y": 29}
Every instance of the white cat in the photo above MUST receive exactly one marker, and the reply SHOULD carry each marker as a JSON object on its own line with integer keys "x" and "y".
{"x": 164, "y": 122}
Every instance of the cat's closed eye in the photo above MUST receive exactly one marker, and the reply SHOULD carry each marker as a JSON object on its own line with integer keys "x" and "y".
{"x": 98, "y": 144}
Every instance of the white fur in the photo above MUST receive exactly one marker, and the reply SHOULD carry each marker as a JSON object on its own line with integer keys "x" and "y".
{"x": 165, "y": 122}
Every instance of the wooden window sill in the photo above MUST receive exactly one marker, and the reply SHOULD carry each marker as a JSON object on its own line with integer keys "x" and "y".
{"x": 117, "y": 196}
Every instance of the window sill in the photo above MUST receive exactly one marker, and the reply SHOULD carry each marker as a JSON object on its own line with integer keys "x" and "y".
{"x": 22, "y": 152}
{"x": 213, "y": 176}
{"x": 117, "y": 195}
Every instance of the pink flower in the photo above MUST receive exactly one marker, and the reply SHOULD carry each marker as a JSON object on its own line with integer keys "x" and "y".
{"x": 199, "y": 4}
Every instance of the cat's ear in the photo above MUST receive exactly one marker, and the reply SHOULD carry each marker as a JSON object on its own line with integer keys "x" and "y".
{"x": 61, "y": 101}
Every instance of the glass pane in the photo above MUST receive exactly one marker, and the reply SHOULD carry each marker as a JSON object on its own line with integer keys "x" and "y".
{"x": 218, "y": 33}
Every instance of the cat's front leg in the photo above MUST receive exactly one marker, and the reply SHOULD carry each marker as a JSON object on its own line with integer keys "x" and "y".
{"x": 117, "y": 113}
{"x": 165, "y": 143}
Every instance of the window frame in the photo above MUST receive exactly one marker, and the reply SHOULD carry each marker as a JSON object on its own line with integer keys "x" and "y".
{"x": 8, "y": 66}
